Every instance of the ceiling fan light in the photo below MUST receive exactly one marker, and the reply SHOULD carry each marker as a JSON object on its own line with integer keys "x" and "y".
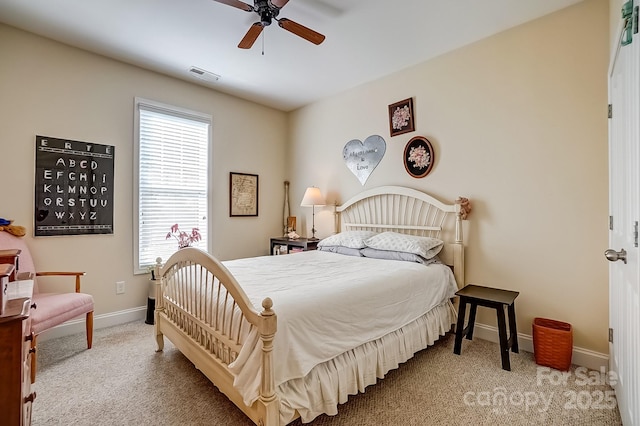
{"x": 268, "y": 10}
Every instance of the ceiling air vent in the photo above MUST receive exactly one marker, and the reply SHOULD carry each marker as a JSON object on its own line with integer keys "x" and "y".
{"x": 203, "y": 74}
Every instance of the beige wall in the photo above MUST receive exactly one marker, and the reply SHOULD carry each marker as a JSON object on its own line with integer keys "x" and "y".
{"x": 518, "y": 123}
{"x": 50, "y": 89}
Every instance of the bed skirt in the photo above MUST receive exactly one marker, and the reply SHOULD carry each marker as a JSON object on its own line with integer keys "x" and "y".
{"x": 330, "y": 383}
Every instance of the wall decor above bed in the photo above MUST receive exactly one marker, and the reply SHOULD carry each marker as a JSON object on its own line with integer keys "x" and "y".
{"x": 401, "y": 117}
{"x": 363, "y": 157}
{"x": 418, "y": 157}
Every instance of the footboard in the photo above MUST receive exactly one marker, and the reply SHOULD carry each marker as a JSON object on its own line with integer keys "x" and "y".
{"x": 205, "y": 313}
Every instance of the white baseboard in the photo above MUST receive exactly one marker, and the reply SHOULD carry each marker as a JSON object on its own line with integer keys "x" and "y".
{"x": 582, "y": 357}
{"x": 99, "y": 321}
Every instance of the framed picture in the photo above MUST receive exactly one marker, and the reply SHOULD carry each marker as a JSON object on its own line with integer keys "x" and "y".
{"x": 401, "y": 117}
{"x": 74, "y": 191}
{"x": 291, "y": 223}
{"x": 243, "y": 194}
{"x": 418, "y": 157}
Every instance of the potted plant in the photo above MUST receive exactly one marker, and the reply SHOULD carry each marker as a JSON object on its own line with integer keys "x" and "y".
{"x": 184, "y": 239}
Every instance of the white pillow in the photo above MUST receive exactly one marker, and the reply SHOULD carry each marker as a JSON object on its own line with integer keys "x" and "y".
{"x": 397, "y": 255}
{"x": 351, "y": 239}
{"x": 341, "y": 250}
{"x": 426, "y": 247}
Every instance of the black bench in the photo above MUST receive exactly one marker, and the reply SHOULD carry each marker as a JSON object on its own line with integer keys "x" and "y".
{"x": 496, "y": 298}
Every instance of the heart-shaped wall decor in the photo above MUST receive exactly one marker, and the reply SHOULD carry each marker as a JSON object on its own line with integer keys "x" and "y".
{"x": 363, "y": 157}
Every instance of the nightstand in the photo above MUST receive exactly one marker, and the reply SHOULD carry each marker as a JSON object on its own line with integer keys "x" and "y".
{"x": 299, "y": 244}
{"x": 498, "y": 299}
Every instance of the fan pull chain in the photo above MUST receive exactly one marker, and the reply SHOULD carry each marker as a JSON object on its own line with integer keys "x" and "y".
{"x": 263, "y": 42}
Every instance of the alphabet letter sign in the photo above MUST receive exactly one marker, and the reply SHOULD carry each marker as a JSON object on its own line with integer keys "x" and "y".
{"x": 74, "y": 187}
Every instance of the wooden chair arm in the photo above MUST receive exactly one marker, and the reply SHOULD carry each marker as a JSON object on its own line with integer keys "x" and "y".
{"x": 72, "y": 274}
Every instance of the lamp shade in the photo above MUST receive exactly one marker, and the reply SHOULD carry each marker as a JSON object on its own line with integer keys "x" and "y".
{"x": 312, "y": 197}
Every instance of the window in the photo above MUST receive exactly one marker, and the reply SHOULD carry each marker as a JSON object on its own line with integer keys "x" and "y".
{"x": 171, "y": 178}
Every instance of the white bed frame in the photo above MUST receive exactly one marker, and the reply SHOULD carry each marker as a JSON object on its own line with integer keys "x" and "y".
{"x": 212, "y": 343}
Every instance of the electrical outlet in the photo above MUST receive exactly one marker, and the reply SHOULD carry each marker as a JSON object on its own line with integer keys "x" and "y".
{"x": 120, "y": 287}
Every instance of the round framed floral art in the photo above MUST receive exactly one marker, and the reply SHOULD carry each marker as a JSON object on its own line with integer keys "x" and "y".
{"x": 418, "y": 157}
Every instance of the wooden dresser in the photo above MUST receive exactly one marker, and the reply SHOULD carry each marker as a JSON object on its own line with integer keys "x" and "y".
{"x": 16, "y": 397}
{"x": 11, "y": 256}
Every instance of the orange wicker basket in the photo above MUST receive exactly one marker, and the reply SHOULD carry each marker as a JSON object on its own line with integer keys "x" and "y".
{"x": 552, "y": 343}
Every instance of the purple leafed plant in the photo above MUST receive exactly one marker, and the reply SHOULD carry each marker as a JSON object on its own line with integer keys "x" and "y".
{"x": 184, "y": 239}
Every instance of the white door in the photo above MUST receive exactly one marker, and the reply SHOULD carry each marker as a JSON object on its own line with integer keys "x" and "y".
{"x": 624, "y": 190}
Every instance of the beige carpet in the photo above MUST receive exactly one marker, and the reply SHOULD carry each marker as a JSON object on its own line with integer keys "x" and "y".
{"x": 123, "y": 381}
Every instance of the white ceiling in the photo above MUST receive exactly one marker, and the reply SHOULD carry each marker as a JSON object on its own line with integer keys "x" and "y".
{"x": 365, "y": 39}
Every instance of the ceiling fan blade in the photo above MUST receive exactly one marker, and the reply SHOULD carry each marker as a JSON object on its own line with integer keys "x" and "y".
{"x": 237, "y": 4}
{"x": 301, "y": 31}
{"x": 251, "y": 36}
{"x": 279, "y": 3}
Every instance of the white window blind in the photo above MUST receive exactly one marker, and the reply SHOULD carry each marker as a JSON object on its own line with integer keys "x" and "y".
{"x": 172, "y": 179}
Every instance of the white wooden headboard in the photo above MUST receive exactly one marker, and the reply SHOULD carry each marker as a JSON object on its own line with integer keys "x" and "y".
{"x": 409, "y": 211}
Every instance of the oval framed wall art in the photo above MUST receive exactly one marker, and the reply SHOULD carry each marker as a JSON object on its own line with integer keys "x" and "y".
{"x": 418, "y": 157}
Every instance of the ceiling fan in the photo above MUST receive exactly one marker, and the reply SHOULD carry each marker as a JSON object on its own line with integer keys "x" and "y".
{"x": 268, "y": 10}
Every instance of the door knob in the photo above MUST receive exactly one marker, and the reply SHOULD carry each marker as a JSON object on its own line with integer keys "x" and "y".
{"x": 613, "y": 255}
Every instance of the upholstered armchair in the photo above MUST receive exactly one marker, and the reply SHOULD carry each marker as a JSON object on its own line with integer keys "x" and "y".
{"x": 51, "y": 309}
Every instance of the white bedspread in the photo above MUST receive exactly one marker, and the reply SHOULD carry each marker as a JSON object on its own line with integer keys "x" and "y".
{"x": 329, "y": 303}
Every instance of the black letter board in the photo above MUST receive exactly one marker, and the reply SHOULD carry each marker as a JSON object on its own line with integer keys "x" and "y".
{"x": 74, "y": 187}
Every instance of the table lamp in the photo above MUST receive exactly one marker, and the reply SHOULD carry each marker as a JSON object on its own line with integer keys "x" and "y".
{"x": 312, "y": 197}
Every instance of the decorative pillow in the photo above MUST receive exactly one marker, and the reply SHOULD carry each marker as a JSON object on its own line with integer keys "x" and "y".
{"x": 426, "y": 247}
{"x": 341, "y": 250}
{"x": 397, "y": 255}
{"x": 351, "y": 239}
